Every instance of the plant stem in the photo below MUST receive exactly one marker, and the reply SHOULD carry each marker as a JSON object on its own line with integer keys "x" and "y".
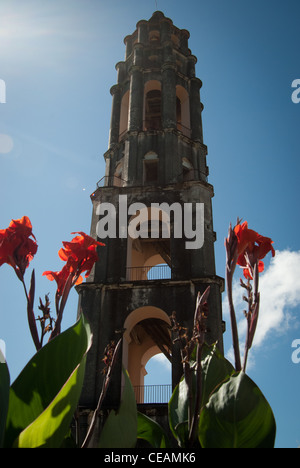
{"x": 91, "y": 429}
{"x": 245, "y": 355}
{"x": 60, "y": 305}
{"x": 194, "y": 425}
{"x": 234, "y": 329}
{"x": 30, "y": 313}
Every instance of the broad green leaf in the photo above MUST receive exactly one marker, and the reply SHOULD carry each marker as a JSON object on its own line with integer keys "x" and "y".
{"x": 120, "y": 428}
{"x": 45, "y": 395}
{"x": 152, "y": 432}
{"x": 178, "y": 412}
{"x": 215, "y": 369}
{"x": 4, "y": 395}
{"x": 237, "y": 416}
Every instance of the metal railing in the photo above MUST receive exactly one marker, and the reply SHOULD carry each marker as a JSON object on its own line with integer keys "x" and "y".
{"x": 111, "y": 181}
{"x": 144, "y": 273}
{"x": 152, "y": 393}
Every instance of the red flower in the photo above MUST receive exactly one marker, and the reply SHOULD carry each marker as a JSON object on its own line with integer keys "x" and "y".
{"x": 61, "y": 278}
{"x": 252, "y": 247}
{"x": 80, "y": 255}
{"x": 18, "y": 245}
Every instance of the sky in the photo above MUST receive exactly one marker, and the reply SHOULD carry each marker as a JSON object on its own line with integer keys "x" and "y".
{"x": 57, "y": 61}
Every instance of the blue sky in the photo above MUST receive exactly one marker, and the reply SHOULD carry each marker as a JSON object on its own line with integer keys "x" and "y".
{"x": 58, "y": 58}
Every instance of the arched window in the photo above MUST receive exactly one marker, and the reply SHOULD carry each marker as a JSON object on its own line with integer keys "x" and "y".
{"x": 152, "y": 107}
{"x": 153, "y": 110}
{"x": 154, "y": 37}
{"x": 124, "y": 115}
{"x": 183, "y": 111}
{"x": 151, "y": 168}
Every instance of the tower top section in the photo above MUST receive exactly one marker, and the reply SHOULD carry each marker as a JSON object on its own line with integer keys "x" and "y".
{"x": 156, "y": 32}
{"x": 156, "y": 133}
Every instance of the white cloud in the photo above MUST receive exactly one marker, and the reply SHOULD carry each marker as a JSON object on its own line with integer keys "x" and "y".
{"x": 161, "y": 360}
{"x": 280, "y": 296}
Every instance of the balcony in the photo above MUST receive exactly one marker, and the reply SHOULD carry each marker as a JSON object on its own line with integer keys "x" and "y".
{"x": 111, "y": 181}
{"x": 152, "y": 394}
{"x": 146, "y": 273}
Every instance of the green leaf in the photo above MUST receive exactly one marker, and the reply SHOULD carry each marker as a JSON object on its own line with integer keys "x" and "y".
{"x": 152, "y": 432}
{"x": 178, "y": 412}
{"x": 215, "y": 369}
{"x": 45, "y": 395}
{"x": 237, "y": 416}
{"x": 120, "y": 428}
{"x": 4, "y": 395}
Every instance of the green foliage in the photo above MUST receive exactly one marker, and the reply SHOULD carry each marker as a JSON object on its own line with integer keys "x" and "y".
{"x": 215, "y": 369}
{"x": 120, "y": 428}
{"x": 43, "y": 398}
{"x": 234, "y": 413}
{"x": 178, "y": 412}
{"x": 152, "y": 432}
{"x": 36, "y": 411}
{"x": 237, "y": 415}
{"x": 214, "y": 404}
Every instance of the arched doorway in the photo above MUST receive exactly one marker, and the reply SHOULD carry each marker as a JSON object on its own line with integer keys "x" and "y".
{"x": 147, "y": 333}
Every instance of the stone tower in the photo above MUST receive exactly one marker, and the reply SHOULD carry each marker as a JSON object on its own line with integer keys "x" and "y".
{"x": 154, "y": 207}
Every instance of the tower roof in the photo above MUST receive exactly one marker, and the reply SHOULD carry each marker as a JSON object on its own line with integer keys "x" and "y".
{"x": 159, "y": 27}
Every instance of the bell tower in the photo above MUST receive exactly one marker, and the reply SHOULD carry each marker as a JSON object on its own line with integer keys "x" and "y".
{"x": 153, "y": 211}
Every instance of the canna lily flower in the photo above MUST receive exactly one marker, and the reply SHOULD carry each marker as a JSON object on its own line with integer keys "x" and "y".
{"x": 61, "y": 278}
{"x": 246, "y": 248}
{"x": 80, "y": 256}
{"x": 18, "y": 245}
{"x": 252, "y": 248}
